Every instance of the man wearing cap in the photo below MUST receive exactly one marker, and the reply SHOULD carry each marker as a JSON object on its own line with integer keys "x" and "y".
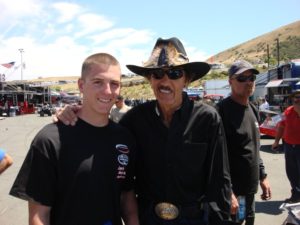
{"x": 289, "y": 130}
{"x": 119, "y": 110}
{"x": 240, "y": 119}
{"x": 181, "y": 165}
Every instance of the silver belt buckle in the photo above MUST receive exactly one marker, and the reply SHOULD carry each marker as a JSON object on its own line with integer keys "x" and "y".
{"x": 166, "y": 211}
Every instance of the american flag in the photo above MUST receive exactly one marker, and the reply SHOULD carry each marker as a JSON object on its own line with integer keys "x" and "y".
{"x": 8, "y": 65}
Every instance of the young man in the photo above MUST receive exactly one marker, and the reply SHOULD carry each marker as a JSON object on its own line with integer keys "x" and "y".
{"x": 289, "y": 130}
{"x": 82, "y": 174}
{"x": 182, "y": 163}
{"x": 240, "y": 119}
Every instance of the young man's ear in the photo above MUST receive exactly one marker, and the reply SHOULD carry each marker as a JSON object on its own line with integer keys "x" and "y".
{"x": 80, "y": 83}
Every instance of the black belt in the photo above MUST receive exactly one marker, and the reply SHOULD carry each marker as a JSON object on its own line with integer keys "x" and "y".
{"x": 293, "y": 146}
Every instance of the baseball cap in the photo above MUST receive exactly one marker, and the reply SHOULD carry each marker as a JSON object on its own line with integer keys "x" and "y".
{"x": 241, "y": 66}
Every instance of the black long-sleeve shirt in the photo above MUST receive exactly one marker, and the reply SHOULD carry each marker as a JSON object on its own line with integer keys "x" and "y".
{"x": 184, "y": 162}
{"x": 243, "y": 144}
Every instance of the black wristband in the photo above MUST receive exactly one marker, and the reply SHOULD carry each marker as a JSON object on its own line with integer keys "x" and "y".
{"x": 263, "y": 176}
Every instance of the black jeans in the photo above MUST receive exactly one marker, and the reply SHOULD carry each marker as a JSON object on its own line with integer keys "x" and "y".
{"x": 292, "y": 166}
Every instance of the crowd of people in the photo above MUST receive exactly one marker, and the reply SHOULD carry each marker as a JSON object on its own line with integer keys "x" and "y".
{"x": 169, "y": 161}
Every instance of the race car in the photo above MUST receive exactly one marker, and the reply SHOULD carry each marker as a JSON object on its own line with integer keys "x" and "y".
{"x": 270, "y": 123}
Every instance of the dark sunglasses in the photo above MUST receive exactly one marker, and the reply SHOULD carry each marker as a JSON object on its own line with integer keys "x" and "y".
{"x": 242, "y": 78}
{"x": 173, "y": 74}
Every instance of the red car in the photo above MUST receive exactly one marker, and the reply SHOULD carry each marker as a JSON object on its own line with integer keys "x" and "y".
{"x": 270, "y": 124}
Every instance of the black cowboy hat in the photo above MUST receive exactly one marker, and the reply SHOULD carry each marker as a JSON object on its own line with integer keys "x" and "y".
{"x": 170, "y": 53}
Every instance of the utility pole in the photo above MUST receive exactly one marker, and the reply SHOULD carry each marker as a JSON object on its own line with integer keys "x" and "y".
{"x": 278, "y": 58}
{"x": 268, "y": 58}
{"x": 21, "y": 50}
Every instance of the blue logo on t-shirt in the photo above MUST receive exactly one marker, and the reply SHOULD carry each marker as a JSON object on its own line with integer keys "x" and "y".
{"x": 123, "y": 159}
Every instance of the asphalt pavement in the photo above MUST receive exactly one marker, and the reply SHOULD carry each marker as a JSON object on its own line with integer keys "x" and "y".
{"x": 16, "y": 134}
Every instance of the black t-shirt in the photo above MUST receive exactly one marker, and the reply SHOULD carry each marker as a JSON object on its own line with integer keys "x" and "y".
{"x": 184, "y": 162}
{"x": 79, "y": 172}
{"x": 243, "y": 144}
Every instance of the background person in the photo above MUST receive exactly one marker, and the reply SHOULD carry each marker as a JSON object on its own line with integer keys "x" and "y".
{"x": 289, "y": 130}
{"x": 240, "y": 119}
{"x": 264, "y": 104}
{"x": 82, "y": 174}
{"x": 119, "y": 110}
{"x": 182, "y": 157}
{"x": 5, "y": 161}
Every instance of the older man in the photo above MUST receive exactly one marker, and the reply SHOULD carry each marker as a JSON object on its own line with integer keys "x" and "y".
{"x": 182, "y": 166}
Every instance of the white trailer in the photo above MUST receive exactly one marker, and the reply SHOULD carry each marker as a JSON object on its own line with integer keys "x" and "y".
{"x": 218, "y": 86}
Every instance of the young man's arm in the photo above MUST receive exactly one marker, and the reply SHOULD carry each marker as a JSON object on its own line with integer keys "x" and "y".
{"x": 5, "y": 163}
{"x": 129, "y": 208}
{"x": 38, "y": 214}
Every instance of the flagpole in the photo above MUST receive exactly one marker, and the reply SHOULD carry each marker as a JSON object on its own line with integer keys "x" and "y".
{"x": 21, "y": 52}
{"x": 22, "y": 67}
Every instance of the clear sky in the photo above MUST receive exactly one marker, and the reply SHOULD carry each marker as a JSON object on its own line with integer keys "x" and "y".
{"x": 58, "y": 35}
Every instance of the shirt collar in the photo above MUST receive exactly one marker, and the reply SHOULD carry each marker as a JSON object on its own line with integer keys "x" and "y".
{"x": 181, "y": 109}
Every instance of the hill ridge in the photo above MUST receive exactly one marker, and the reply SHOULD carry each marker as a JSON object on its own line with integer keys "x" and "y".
{"x": 255, "y": 50}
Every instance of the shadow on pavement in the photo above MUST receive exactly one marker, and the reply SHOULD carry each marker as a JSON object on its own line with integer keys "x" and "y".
{"x": 268, "y": 149}
{"x": 268, "y": 207}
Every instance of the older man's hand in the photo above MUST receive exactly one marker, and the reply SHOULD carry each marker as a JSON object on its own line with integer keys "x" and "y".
{"x": 67, "y": 115}
{"x": 234, "y": 205}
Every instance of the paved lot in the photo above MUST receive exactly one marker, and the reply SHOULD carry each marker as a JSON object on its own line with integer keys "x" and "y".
{"x": 16, "y": 134}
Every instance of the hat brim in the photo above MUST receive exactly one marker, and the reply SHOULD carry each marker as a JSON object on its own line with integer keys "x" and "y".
{"x": 294, "y": 93}
{"x": 242, "y": 70}
{"x": 194, "y": 70}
